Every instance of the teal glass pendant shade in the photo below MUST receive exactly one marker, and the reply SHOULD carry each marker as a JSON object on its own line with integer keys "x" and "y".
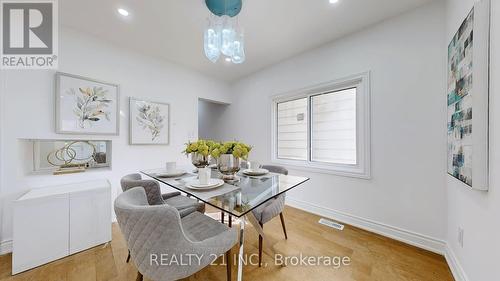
{"x": 220, "y": 8}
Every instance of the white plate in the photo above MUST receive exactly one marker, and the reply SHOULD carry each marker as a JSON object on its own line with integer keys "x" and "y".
{"x": 257, "y": 172}
{"x": 212, "y": 183}
{"x": 173, "y": 174}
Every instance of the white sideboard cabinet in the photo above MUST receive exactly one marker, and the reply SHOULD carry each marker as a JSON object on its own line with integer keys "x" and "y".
{"x": 53, "y": 222}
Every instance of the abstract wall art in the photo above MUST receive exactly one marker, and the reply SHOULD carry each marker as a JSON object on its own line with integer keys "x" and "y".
{"x": 467, "y": 96}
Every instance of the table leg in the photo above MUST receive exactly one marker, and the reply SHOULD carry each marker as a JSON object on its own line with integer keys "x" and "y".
{"x": 267, "y": 242}
{"x": 240, "y": 254}
{"x": 255, "y": 223}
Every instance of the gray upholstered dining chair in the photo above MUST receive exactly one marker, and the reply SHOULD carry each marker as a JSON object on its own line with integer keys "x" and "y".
{"x": 271, "y": 208}
{"x": 155, "y": 234}
{"x": 153, "y": 193}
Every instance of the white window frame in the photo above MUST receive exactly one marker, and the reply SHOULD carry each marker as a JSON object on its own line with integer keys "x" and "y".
{"x": 362, "y": 169}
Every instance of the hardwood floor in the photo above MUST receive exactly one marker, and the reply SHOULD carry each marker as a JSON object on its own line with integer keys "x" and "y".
{"x": 373, "y": 257}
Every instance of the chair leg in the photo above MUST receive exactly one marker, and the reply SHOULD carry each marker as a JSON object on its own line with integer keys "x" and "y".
{"x": 222, "y": 215}
{"x": 283, "y": 224}
{"x": 128, "y": 257}
{"x": 228, "y": 264}
{"x": 139, "y": 276}
{"x": 230, "y": 221}
{"x": 260, "y": 246}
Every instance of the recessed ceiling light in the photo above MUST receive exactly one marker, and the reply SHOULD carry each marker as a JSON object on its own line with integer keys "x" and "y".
{"x": 333, "y": 1}
{"x": 123, "y": 12}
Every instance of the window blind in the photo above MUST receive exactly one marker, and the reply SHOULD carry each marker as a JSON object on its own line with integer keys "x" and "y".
{"x": 292, "y": 129}
{"x": 333, "y": 127}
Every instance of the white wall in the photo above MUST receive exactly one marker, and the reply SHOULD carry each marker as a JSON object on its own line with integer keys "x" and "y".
{"x": 406, "y": 195}
{"x": 27, "y": 108}
{"x": 210, "y": 119}
{"x": 409, "y": 193}
{"x": 477, "y": 212}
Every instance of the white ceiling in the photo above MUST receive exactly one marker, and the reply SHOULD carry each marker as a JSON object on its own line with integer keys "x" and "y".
{"x": 274, "y": 29}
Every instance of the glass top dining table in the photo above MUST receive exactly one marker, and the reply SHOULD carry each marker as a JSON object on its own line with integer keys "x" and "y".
{"x": 235, "y": 198}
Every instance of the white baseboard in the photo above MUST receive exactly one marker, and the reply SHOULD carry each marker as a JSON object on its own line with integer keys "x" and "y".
{"x": 405, "y": 236}
{"x": 5, "y": 247}
{"x": 455, "y": 267}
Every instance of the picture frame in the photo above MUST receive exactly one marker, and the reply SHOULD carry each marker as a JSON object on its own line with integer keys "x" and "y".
{"x": 86, "y": 106}
{"x": 468, "y": 99}
{"x": 149, "y": 122}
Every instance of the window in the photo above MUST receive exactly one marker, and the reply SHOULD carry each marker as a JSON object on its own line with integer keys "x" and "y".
{"x": 333, "y": 127}
{"x": 292, "y": 129}
{"x": 325, "y": 128}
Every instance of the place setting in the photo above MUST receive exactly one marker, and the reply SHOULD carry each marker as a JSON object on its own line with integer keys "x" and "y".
{"x": 254, "y": 170}
{"x": 171, "y": 171}
{"x": 204, "y": 181}
{"x": 200, "y": 181}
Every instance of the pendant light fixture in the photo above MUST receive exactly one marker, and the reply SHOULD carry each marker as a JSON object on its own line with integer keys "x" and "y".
{"x": 223, "y": 35}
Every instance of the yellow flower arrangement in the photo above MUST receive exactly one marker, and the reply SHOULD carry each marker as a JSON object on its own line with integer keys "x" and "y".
{"x": 215, "y": 149}
{"x": 237, "y": 149}
{"x": 202, "y": 147}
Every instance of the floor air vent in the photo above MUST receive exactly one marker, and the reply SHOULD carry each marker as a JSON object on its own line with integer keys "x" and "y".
{"x": 332, "y": 224}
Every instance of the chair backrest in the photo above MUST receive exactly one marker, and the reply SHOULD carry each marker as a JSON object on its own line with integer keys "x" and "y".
{"x": 154, "y": 232}
{"x": 276, "y": 169}
{"x": 149, "y": 231}
{"x": 152, "y": 187}
{"x": 100, "y": 157}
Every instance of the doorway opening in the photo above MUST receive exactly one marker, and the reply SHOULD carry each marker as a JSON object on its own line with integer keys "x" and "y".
{"x": 211, "y": 122}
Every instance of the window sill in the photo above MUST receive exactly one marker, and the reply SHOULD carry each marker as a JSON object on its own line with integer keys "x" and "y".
{"x": 352, "y": 173}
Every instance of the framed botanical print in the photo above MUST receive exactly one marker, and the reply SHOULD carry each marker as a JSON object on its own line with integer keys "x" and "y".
{"x": 86, "y": 106}
{"x": 149, "y": 122}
